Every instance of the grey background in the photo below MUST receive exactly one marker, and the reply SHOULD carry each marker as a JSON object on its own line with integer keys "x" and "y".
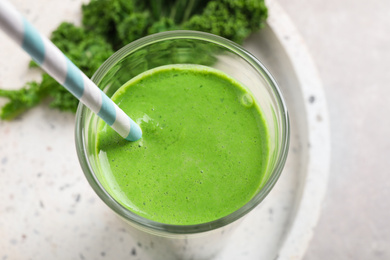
{"x": 349, "y": 41}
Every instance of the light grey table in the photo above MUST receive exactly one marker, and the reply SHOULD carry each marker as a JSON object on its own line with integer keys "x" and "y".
{"x": 350, "y": 43}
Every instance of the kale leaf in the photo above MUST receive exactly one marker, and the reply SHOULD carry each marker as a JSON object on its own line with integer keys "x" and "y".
{"x": 108, "y": 25}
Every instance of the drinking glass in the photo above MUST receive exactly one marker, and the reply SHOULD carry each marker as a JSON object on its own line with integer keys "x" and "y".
{"x": 204, "y": 240}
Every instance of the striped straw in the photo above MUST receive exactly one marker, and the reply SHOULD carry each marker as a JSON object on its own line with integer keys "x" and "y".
{"x": 57, "y": 65}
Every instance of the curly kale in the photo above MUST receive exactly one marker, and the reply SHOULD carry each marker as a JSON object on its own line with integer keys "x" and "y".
{"x": 107, "y": 25}
{"x": 21, "y": 100}
{"x": 232, "y": 19}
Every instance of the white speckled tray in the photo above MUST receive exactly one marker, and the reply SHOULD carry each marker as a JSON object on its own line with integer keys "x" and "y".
{"x": 48, "y": 210}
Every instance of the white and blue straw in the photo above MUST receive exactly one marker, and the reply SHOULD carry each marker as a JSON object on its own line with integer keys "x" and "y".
{"x": 57, "y": 65}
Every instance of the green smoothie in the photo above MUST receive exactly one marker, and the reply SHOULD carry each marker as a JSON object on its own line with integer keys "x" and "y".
{"x": 204, "y": 149}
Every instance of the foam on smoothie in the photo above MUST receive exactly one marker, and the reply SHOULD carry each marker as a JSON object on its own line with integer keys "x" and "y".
{"x": 204, "y": 148}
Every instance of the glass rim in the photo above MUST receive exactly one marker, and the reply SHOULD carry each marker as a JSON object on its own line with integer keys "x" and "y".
{"x": 171, "y": 228}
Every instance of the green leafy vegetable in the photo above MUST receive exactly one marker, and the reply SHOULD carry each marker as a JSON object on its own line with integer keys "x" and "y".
{"x": 108, "y": 25}
{"x": 20, "y": 100}
{"x": 231, "y": 19}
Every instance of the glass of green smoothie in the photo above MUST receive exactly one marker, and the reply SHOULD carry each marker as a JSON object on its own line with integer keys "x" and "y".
{"x": 215, "y": 140}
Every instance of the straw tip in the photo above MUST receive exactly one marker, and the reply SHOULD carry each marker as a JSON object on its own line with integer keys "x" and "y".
{"x": 135, "y": 133}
